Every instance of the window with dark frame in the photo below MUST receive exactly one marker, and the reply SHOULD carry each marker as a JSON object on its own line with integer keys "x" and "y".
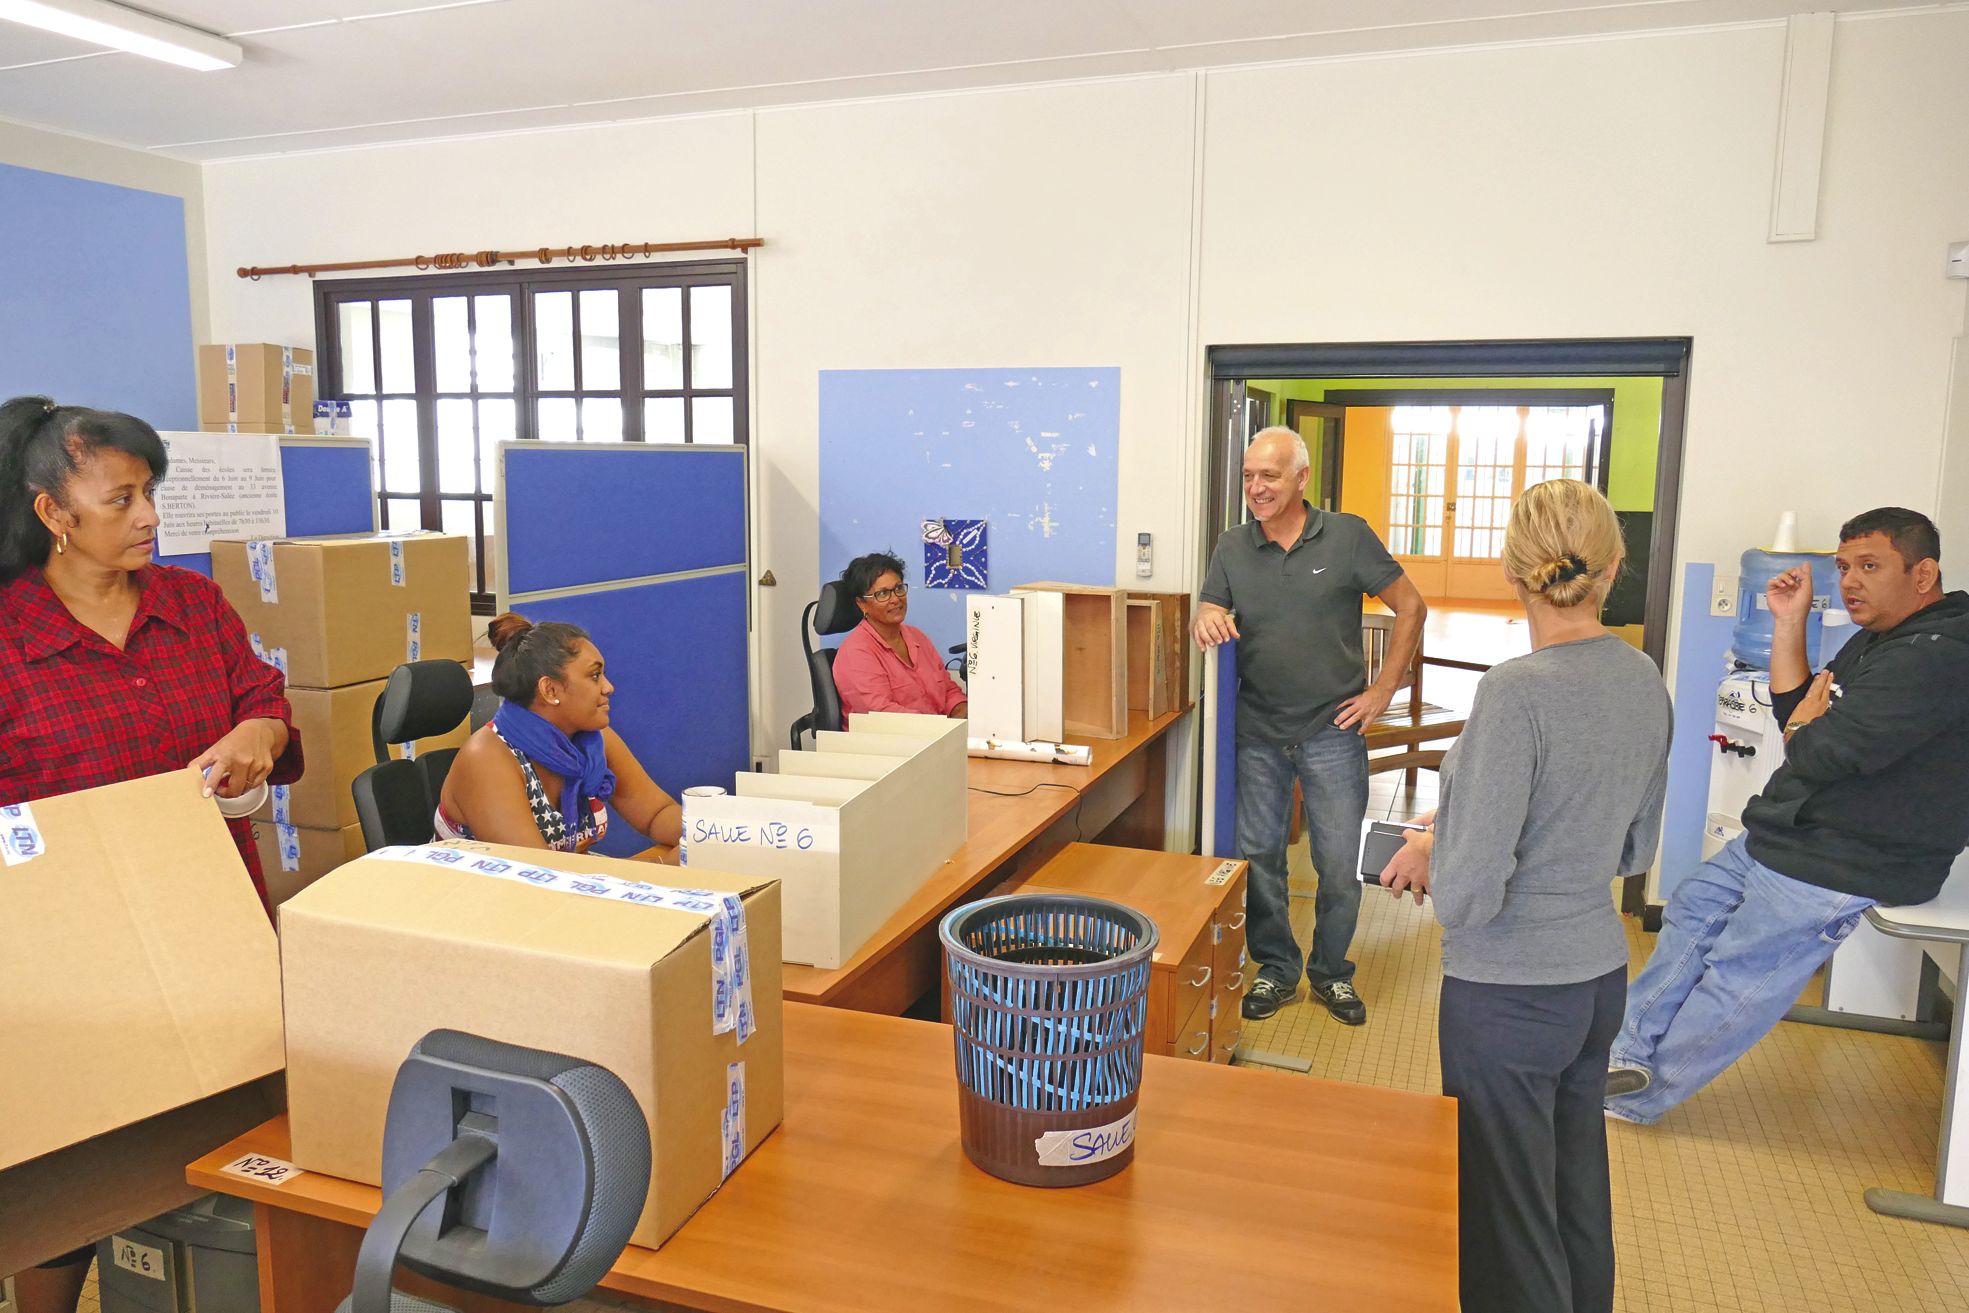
{"x": 439, "y": 369}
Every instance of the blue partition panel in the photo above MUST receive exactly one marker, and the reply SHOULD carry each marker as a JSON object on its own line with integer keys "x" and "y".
{"x": 1223, "y": 730}
{"x": 676, "y": 653}
{"x": 325, "y": 489}
{"x": 588, "y": 513}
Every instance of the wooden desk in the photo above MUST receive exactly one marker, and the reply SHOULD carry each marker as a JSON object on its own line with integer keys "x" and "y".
{"x": 1249, "y": 1190}
{"x": 1026, "y": 818}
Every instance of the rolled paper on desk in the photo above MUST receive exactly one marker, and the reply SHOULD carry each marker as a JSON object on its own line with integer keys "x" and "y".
{"x": 1060, "y": 754}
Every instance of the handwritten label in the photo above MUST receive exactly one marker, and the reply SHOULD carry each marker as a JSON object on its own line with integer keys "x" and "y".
{"x": 20, "y": 837}
{"x": 756, "y": 834}
{"x": 265, "y": 1170}
{"x": 133, "y": 1257}
{"x": 222, "y": 485}
{"x": 1093, "y": 1145}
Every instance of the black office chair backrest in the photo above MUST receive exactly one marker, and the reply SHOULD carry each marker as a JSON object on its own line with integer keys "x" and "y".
{"x": 396, "y": 801}
{"x": 833, "y": 612}
{"x": 542, "y": 1162}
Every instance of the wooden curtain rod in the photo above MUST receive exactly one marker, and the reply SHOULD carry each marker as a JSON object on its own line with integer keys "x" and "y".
{"x": 486, "y": 259}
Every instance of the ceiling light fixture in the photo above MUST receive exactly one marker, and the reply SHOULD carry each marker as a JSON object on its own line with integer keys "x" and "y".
{"x": 121, "y": 28}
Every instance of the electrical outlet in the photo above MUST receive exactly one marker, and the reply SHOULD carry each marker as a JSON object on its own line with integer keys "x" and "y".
{"x": 1723, "y": 595}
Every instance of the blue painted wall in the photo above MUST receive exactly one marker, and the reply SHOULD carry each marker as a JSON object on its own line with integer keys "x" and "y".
{"x": 97, "y": 306}
{"x": 1031, "y": 451}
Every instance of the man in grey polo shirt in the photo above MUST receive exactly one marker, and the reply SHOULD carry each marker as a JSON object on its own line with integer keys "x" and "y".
{"x": 1288, "y": 587}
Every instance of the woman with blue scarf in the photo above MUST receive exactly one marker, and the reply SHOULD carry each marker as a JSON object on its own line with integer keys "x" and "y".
{"x": 544, "y": 773}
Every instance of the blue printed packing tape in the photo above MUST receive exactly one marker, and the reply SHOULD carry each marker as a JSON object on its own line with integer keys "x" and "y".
{"x": 731, "y": 1118}
{"x": 259, "y": 563}
{"x": 396, "y": 562}
{"x": 290, "y": 846}
{"x": 282, "y": 815}
{"x": 20, "y": 837}
{"x": 413, "y": 636}
{"x": 731, "y": 969}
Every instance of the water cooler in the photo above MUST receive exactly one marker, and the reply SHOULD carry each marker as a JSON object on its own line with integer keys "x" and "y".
{"x": 1871, "y": 975}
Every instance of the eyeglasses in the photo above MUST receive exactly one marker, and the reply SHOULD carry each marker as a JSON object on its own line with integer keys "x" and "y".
{"x": 886, "y": 594}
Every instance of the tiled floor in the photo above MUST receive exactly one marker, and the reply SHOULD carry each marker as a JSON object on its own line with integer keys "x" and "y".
{"x": 1746, "y": 1198}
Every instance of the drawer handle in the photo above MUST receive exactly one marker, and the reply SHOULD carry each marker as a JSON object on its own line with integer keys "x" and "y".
{"x": 1237, "y": 922}
{"x": 1201, "y": 980}
{"x": 1203, "y": 1042}
{"x": 1235, "y": 983}
{"x": 1230, "y": 1045}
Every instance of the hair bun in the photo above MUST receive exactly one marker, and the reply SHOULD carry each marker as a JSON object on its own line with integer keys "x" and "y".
{"x": 507, "y": 629}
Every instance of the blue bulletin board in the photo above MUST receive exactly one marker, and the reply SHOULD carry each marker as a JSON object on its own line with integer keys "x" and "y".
{"x": 644, "y": 546}
{"x": 1032, "y": 453}
{"x": 325, "y": 486}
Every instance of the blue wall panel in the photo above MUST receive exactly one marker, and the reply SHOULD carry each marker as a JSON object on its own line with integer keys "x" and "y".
{"x": 1031, "y": 451}
{"x": 660, "y": 511}
{"x": 325, "y": 489}
{"x": 676, "y": 653}
{"x": 1224, "y": 813}
{"x": 98, "y": 297}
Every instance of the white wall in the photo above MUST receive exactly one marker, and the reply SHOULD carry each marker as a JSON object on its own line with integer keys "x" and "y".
{"x": 1599, "y": 188}
{"x": 77, "y": 157}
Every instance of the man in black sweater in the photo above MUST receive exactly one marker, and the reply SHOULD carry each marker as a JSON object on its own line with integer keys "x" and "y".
{"x": 1870, "y": 806}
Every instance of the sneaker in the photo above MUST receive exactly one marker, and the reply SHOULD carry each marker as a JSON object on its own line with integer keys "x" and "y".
{"x": 1627, "y": 1080}
{"x": 1265, "y": 997}
{"x": 1342, "y": 1002}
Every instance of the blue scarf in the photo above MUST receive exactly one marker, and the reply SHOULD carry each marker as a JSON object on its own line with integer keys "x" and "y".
{"x": 581, "y": 761}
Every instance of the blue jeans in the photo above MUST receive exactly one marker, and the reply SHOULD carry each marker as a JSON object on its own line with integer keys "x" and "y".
{"x": 1738, "y": 942}
{"x": 1331, "y": 767}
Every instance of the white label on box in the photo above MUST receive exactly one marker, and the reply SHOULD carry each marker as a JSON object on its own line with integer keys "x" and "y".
{"x": 20, "y": 838}
{"x": 290, "y": 846}
{"x": 731, "y": 957}
{"x": 731, "y": 1118}
{"x": 396, "y": 562}
{"x": 133, "y": 1257}
{"x": 281, "y": 814}
{"x": 265, "y": 1170}
{"x": 413, "y": 637}
{"x": 819, "y": 833}
{"x": 259, "y": 562}
{"x": 1078, "y": 1148}
{"x": 1223, "y": 873}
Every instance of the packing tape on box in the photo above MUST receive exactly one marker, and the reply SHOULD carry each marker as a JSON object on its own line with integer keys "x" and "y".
{"x": 731, "y": 958}
{"x": 259, "y": 563}
{"x": 282, "y": 809}
{"x": 20, "y": 837}
{"x": 290, "y": 846}
{"x": 232, "y": 382}
{"x": 413, "y": 637}
{"x": 287, "y": 387}
{"x": 396, "y": 562}
{"x": 731, "y": 1118}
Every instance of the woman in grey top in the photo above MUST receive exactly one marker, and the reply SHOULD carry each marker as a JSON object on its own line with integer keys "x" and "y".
{"x": 1553, "y": 789}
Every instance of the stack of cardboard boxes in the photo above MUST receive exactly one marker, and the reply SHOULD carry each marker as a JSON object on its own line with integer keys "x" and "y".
{"x": 255, "y": 387}
{"x": 336, "y": 615}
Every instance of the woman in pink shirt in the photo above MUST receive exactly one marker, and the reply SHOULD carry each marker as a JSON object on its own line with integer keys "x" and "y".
{"x": 884, "y": 664}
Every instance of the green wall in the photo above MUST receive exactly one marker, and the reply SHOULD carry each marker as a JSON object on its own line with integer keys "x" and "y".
{"x": 1636, "y": 439}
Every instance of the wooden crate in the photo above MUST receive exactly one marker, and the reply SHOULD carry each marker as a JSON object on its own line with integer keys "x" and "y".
{"x": 1148, "y": 658}
{"x": 1096, "y": 658}
{"x": 1179, "y": 649}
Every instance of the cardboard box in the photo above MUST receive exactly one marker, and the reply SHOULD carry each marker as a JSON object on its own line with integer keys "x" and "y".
{"x": 376, "y": 955}
{"x": 292, "y": 857}
{"x": 141, "y": 985}
{"x": 336, "y": 746}
{"x": 994, "y": 666}
{"x": 850, "y": 830}
{"x": 1096, "y": 658}
{"x": 256, "y": 383}
{"x": 343, "y": 609}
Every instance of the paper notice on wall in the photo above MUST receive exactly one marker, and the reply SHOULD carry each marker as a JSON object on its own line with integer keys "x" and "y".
{"x": 220, "y": 485}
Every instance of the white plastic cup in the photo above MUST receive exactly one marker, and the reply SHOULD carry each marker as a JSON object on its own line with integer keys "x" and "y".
{"x": 704, "y": 791}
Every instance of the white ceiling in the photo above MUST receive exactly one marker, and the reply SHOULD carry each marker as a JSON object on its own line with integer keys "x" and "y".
{"x": 320, "y": 74}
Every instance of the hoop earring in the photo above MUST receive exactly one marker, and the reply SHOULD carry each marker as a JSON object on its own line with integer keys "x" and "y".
{"x": 61, "y": 544}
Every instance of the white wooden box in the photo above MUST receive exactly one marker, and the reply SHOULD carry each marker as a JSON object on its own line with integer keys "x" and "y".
{"x": 850, "y": 829}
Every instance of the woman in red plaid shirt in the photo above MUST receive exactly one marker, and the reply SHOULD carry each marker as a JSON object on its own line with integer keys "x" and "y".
{"x": 111, "y": 667}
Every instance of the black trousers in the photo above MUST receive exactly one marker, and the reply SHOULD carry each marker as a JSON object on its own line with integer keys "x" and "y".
{"x": 1527, "y": 1065}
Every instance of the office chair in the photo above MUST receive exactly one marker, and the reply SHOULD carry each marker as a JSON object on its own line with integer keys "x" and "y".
{"x": 396, "y": 801}
{"x": 539, "y": 1165}
{"x": 833, "y": 612}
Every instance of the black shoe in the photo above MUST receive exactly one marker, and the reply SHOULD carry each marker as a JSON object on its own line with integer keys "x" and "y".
{"x": 1265, "y": 998}
{"x": 1342, "y": 1002}
{"x": 1627, "y": 1080}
